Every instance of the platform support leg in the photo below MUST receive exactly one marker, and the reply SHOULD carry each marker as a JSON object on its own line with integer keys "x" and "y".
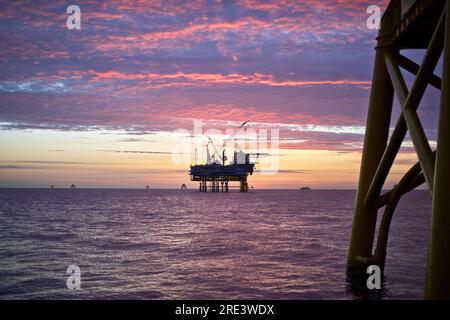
{"x": 437, "y": 284}
{"x": 377, "y": 131}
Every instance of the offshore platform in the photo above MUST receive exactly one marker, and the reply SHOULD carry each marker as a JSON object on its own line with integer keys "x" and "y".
{"x": 406, "y": 24}
{"x": 217, "y": 173}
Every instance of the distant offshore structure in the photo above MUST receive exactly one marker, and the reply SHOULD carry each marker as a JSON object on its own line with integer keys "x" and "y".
{"x": 147, "y": 187}
{"x": 305, "y": 188}
{"x": 217, "y": 173}
{"x": 72, "y": 186}
{"x": 183, "y": 187}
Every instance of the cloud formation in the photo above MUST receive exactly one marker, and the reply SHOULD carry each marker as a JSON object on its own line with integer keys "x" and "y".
{"x": 148, "y": 66}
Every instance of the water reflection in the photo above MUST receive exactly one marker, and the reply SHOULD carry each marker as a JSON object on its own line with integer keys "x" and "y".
{"x": 357, "y": 288}
{"x": 175, "y": 244}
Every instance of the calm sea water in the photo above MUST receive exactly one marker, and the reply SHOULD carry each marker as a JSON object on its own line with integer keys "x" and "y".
{"x": 173, "y": 244}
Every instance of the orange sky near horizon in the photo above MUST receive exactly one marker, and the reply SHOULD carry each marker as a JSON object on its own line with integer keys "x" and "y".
{"x": 102, "y": 106}
{"x": 90, "y": 160}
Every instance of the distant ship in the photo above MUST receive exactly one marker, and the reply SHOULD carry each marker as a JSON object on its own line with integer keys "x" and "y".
{"x": 305, "y": 188}
{"x": 72, "y": 186}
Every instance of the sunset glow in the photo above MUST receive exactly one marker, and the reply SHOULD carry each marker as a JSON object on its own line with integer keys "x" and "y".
{"x": 99, "y": 107}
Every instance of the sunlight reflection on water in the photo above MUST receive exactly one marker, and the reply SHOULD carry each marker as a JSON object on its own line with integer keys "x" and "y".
{"x": 166, "y": 244}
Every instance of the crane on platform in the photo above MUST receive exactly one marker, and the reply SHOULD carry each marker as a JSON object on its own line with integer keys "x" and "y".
{"x": 223, "y": 145}
{"x": 219, "y": 174}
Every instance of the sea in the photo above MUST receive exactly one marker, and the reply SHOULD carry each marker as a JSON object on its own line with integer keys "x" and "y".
{"x": 183, "y": 244}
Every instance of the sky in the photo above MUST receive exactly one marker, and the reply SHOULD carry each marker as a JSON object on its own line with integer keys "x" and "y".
{"x": 116, "y": 103}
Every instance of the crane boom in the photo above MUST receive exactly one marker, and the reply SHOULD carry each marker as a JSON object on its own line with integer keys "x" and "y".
{"x": 229, "y": 138}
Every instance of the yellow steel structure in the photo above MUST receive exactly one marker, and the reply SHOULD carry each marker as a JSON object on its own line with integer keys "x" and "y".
{"x": 424, "y": 24}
